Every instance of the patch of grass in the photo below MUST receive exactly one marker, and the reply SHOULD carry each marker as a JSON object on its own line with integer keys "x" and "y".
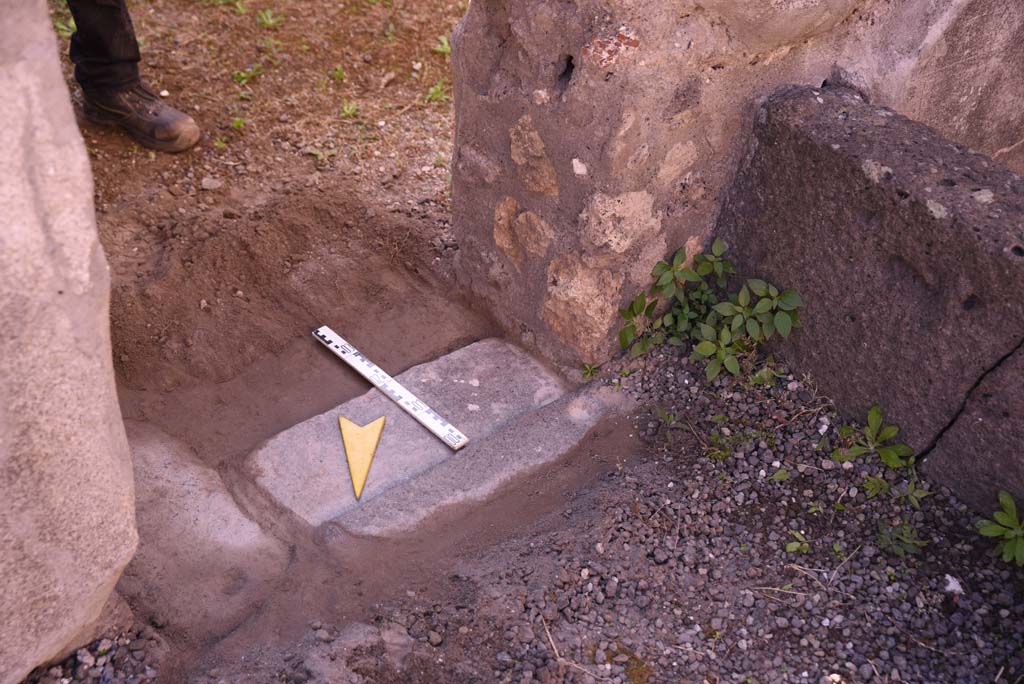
{"x": 267, "y": 19}
{"x": 349, "y": 110}
{"x": 220, "y": 144}
{"x": 443, "y": 46}
{"x": 338, "y": 73}
{"x": 438, "y": 92}
{"x": 900, "y": 539}
{"x": 243, "y": 77}
{"x": 238, "y": 124}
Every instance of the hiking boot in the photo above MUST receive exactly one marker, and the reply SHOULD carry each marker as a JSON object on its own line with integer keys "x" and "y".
{"x": 144, "y": 115}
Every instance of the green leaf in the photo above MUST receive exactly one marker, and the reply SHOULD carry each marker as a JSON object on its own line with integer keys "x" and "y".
{"x": 650, "y": 308}
{"x": 679, "y": 257}
{"x": 1005, "y": 519}
{"x": 638, "y": 304}
{"x": 1008, "y": 551}
{"x": 753, "y": 329}
{"x": 705, "y": 268}
{"x": 639, "y": 348}
{"x": 773, "y": 291}
{"x": 1019, "y": 553}
{"x": 874, "y": 421}
{"x": 714, "y": 367}
{"x": 675, "y": 341}
{"x": 725, "y": 337}
{"x": 659, "y": 269}
{"x": 783, "y": 323}
{"x": 737, "y": 323}
{"x": 718, "y": 247}
{"x": 891, "y": 458}
{"x": 744, "y": 297}
{"x": 763, "y": 306}
{"x": 705, "y": 348}
{"x": 665, "y": 278}
{"x": 725, "y": 308}
{"x": 789, "y": 300}
{"x": 759, "y": 287}
{"x": 1006, "y": 501}
{"x": 792, "y": 546}
{"x": 858, "y": 450}
{"x": 887, "y": 433}
{"x": 669, "y": 289}
{"x": 732, "y": 365}
{"x": 780, "y": 475}
{"x": 627, "y": 335}
{"x": 987, "y": 528}
{"x": 768, "y": 328}
{"x": 689, "y": 275}
{"x": 626, "y": 314}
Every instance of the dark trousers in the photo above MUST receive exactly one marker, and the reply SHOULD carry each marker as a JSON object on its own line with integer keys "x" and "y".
{"x": 103, "y": 47}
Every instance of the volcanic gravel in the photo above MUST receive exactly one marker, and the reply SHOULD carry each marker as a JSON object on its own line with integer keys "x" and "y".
{"x": 676, "y": 569}
{"x": 130, "y": 657}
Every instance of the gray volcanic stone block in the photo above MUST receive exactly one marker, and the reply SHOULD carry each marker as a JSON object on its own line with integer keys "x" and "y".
{"x": 983, "y": 451}
{"x": 202, "y": 566}
{"x": 477, "y": 388}
{"x": 67, "y": 512}
{"x": 481, "y": 469}
{"x": 909, "y": 253}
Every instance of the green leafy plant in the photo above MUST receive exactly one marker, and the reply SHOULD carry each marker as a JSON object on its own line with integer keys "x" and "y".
{"x": 65, "y": 27}
{"x": 243, "y": 77}
{"x": 338, "y": 73}
{"x": 815, "y": 508}
{"x": 799, "y": 544}
{"x": 220, "y": 144}
{"x": 780, "y": 475}
{"x": 443, "y": 47}
{"x": 349, "y": 110}
{"x": 876, "y": 440}
{"x": 668, "y": 419}
{"x": 915, "y": 493}
{"x": 238, "y": 123}
{"x": 267, "y": 19}
{"x": 901, "y": 540}
{"x": 1007, "y": 527}
{"x": 590, "y": 370}
{"x": 438, "y": 92}
{"x": 724, "y": 327}
{"x": 875, "y": 486}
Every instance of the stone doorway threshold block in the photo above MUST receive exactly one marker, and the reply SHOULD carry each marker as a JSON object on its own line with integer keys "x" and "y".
{"x": 478, "y": 388}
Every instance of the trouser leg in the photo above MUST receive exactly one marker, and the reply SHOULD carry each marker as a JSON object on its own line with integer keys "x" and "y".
{"x": 103, "y": 48}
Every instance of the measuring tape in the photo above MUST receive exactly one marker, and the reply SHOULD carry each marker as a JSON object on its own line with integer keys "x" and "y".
{"x": 423, "y": 414}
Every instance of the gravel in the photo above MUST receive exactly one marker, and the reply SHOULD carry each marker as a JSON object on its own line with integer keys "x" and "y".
{"x": 681, "y": 572}
{"x": 130, "y": 657}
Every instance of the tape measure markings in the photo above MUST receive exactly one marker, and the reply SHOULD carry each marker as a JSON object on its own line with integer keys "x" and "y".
{"x": 409, "y": 402}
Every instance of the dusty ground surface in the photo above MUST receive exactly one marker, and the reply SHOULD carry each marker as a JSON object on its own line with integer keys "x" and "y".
{"x": 654, "y": 553}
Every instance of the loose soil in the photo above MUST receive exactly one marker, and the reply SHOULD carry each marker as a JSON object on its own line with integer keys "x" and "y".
{"x": 654, "y": 553}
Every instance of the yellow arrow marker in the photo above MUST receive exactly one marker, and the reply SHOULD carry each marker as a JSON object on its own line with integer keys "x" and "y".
{"x": 360, "y": 445}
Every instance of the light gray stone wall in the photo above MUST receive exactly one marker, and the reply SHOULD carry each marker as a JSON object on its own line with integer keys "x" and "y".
{"x": 67, "y": 524}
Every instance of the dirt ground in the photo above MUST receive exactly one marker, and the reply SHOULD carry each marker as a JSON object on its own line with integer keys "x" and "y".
{"x": 319, "y": 194}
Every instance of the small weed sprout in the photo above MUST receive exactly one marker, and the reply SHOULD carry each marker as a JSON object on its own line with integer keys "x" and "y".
{"x": 243, "y": 77}
{"x": 267, "y": 19}
{"x": 875, "y": 486}
{"x": 590, "y": 370}
{"x": 443, "y": 47}
{"x": 901, "y": 540}
{"x": 220, "y": 144}
{"x": 799, "y": 544}
{"x": 438, "y": 92}
{"x": 338, "y": 73}
{"x": 238, "y": 123}
{"x": 349, "y": 110}
{"x": 1007, "y": 527}
{"x": 876, "y": 440}
{"x": 780, "y": 475}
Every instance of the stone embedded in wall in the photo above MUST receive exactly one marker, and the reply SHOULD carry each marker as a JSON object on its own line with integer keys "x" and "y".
{"x": 520, "y": 233}
{"x": 67, "y": 522}
{"x": 620, "y": 222}
{"x": 559, "y": 103}
{"x": 527, "y": 151}
{"x": 577, "y": 306}
{"x": 908, "y": 251}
